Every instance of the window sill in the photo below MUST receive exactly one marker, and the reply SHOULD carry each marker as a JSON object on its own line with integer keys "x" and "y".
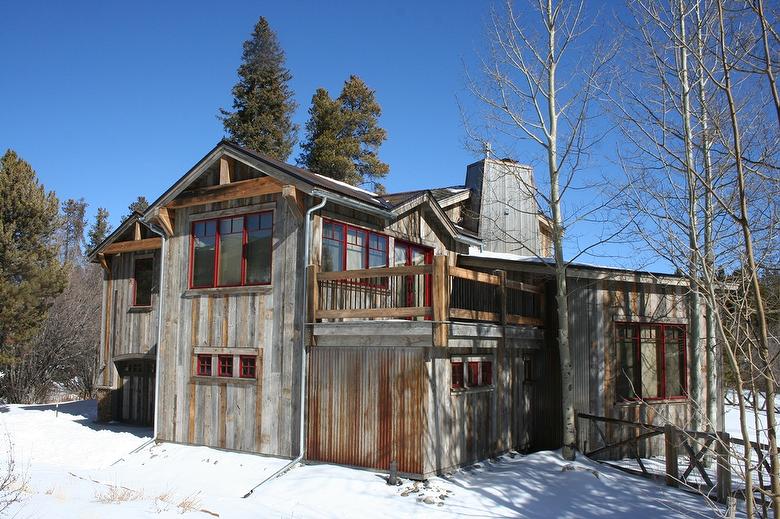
{"x": 139, "y": 309}
{"x": 221, "y": 381}
{"x": 230, "y": 291}
{"x": 472, "y": 390}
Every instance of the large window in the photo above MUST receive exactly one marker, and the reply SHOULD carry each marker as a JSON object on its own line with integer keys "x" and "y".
{"x": 233, "y": 251}
{"x": 143, "y": 279}
{"x": 651, "y": 361}
{"x": 345, "y": 245}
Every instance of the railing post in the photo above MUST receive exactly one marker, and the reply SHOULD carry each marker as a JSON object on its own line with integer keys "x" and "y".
{"x": 501, "y": 295}
{"x": 440, "y": 301}
{"x": 672, "y": 467}
{"x": 723, "y": 469}
{"x": 313, "y": 300}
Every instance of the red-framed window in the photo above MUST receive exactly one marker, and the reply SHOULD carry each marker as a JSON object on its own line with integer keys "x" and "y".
{"x": 203, "y": 365}
{"x": 346, "y": 247}
{"x": 231, "y": 251}
{"x": 651, "y": 361}
{"x": 457, "y": 375}
{"x": 247, "y": 368}
{"x": 143, "y": 280}
{"x": 225, "y": 365}
{"x": 471, "y": 373}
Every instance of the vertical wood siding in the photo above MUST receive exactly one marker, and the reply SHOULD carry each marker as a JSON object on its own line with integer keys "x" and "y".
{"x": 258, "y": 415}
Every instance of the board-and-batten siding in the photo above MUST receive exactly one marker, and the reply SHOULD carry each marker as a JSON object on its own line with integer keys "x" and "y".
{"x": 258, "y": 415}
{"x": 464, "y": 427}
{"x": 595, "y": 308}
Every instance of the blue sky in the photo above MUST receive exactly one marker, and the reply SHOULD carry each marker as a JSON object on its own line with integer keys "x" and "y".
{"x": 112, "y": 100}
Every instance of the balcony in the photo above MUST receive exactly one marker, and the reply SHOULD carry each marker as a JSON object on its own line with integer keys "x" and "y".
{"x": 438, "y": 303}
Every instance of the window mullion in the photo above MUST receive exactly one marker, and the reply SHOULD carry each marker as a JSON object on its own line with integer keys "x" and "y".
{"x": 218, "y": 238}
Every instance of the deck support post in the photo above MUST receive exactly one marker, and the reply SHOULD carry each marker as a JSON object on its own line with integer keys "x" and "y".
{"x": 440, "y": 301}
{"x": 723, "y": 469}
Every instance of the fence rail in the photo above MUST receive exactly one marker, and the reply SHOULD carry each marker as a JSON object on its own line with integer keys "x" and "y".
{"x": 703, "y": 456}
{"x": 436, "y": 292}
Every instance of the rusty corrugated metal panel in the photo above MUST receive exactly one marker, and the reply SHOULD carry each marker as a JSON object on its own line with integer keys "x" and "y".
{"x": 366, "y": 407}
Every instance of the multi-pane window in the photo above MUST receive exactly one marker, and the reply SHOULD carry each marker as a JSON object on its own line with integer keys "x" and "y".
{"x": 471, "y": 373}
{"x": 225, "y": 365}
{"x": 351, "y": 247}
{"x": 247, "y": 367}
{"x": 651, "y": 361}
{"x": 233, "y": 251}
{"x": 203, "y": 365}
{"x": 143, "y": 279}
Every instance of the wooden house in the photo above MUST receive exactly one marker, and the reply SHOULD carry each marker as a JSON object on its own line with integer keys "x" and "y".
{"x": 259, "y": 307}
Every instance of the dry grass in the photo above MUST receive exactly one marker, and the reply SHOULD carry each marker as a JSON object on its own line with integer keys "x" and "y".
{"x": 190, "y": 503}
{"x": 116, "y": 494}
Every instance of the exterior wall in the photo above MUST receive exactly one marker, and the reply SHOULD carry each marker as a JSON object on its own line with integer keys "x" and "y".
{"x": 249, "y": 415}
{"x": 126, "y": 331}
{"x": 596, "y": 306}
{"x": 466, "y": 426}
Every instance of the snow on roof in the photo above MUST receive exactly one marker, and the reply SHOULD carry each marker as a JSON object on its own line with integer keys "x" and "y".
{"x": 348, "y": 186}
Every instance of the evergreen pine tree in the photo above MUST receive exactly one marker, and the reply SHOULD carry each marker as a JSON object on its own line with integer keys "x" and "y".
{"x": 73, "y": 222}
{"x": 343, "y": 136}
{"x": 361, "y": 114}
{"x": 30, "y": 275}
{"x": 325, "y": 151}
{"x": 140, "y": 205}
{"x": 262, "y": 99}
{"x": 99, "y": 229}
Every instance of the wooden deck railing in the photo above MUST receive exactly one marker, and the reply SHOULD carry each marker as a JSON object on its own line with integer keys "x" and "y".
{"x": 439, "y": 293}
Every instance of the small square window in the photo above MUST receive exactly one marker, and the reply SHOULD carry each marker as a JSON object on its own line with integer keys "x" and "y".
{"x": 204, "y": 365}
{"x": 457, "y": 375}
{"x": 248, "y": 367}
{"x": 225, "y": 366}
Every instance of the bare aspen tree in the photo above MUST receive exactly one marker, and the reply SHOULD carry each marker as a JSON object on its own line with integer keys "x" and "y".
{"x": 531, "y": 98}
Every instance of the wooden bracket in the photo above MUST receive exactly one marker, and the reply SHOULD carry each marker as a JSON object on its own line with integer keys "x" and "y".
{"x": 225, "y": 170}
{"x": 163, "y": 218}
{"x": 103, "y": 263}
{"x": 136, "y": 230}
{"x": 293, "y": 198}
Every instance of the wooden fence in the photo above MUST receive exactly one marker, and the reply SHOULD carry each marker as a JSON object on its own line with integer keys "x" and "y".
{"x": 436, "y": 292}
{"x": 697, "y": 449}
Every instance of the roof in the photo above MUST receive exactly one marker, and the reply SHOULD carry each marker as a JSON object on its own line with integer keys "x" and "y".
{"x": 440, "y": 194}
{"x": 605, "y": 270}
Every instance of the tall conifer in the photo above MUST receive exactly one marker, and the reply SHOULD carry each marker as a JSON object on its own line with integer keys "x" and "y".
{"x": 30, "y": 275}
{"x": 343, "y": 136}
{"x": 262, "y": 99}
{"x": 99, "y": 229}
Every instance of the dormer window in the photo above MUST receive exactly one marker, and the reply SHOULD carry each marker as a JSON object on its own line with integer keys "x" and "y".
{"x": 232, "y": 251}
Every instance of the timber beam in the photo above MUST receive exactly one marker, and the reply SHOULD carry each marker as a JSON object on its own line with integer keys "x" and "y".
{"x": 133, "y": 246}
{"x": 294, "y": 202}
{"x": 225, "y": 170}
{"x": 234, "y": 190}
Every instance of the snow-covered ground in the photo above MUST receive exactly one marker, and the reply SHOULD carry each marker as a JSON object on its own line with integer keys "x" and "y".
{"x": 77, "y": 469}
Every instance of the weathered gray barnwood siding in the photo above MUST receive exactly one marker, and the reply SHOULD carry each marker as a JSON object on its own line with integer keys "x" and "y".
{"x": 596, "y": 305}
{"x": 366, "y": 407}
{"x": 249, "y": 415}
{"x": 507, "y": 211}
{"x": 127, "y": 332}
{"x": 466, "y": 426}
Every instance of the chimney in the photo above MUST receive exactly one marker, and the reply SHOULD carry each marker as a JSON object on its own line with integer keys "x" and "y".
{"x": 503, "y": 209}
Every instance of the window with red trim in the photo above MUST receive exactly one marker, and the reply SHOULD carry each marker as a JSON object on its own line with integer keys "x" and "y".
{"x": 467, "y": 374}
{"x": 247, "y": 367}
{"x": 143, "y": 279}
{"x": 457, "y": 375}
{"x": 345, "y": 247}
{"x": 651, "y": 361}
{"x": 225, "y": 366}
{"x": 232, "y": 251}
{"x": 203, "y": 365}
